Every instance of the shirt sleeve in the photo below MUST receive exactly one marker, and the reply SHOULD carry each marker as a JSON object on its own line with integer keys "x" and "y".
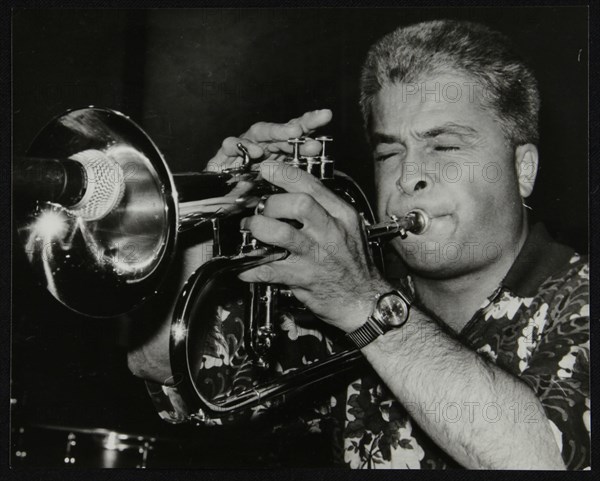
{"x": 558, "y": 367}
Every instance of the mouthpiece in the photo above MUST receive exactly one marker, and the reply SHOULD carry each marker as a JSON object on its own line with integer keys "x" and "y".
{"x": 420, "y": 220}
{"x": 416, "y": 222}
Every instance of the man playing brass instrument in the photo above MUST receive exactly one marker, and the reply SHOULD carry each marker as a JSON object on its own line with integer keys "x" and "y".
{"x": 481, "y": 353}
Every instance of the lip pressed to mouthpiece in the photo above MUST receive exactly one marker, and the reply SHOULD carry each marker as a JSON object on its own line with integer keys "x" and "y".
{"x": 421, "y": 221}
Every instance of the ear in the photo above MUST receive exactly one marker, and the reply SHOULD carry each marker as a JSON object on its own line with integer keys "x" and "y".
{"x": 526, "y": 165}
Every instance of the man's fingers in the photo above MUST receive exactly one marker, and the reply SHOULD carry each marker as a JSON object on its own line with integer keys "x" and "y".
{"x": 279, "y": 272}
{"x": 230, "y": 148}
{"x": 311, "y": 121}
{"x": 266, "y": 273}
{"x": 273, "y": 137}
{"x": 275, "y": 232}
{"x": 298, "y": 127}
{"x": 241, "y": 188}
{"x": 295, "y": 180}
{"x": 301, "y": 207}
{"x": 271, "y": 132}
{"x": 230, "y": 155}
{"x": 309, "y": 148}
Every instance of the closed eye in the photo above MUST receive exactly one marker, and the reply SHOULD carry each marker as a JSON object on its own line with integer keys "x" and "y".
{"x": 382, "y": 157}
{"x": 446, "y": 148}
{"x": 383, "y": 152}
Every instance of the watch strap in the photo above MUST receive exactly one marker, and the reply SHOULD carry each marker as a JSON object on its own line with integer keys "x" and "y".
{"x": 373, "y": 326}
{"x": 366, "y": 333}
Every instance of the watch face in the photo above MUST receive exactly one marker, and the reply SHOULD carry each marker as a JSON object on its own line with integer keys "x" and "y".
{"x": 392, "y": 310}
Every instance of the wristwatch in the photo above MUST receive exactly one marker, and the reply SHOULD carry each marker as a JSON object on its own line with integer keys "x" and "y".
{"x": 390, "y": 312}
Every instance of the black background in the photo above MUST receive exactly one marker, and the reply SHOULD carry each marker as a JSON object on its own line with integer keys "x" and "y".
{"x": 192, "y": 78}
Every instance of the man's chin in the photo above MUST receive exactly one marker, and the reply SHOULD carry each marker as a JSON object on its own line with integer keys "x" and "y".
{"x": 434, "y": 259}
{"x": 438, "y": 271}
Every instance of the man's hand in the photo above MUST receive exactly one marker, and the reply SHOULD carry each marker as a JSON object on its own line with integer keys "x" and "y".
{"x": 331, "y": 272}
{"x": 266, "y": 140}
{"x": 330, "y": 269}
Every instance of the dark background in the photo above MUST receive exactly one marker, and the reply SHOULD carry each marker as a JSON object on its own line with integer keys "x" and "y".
{"x": 191, "y": 78}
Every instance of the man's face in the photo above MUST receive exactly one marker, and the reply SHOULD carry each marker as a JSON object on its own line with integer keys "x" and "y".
{"x": 438, "y": 150}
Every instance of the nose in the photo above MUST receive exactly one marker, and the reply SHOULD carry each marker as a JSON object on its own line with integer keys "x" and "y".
{"x": 414, "y": 177}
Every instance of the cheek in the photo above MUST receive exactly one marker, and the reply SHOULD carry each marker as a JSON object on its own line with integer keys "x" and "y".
{"x": 383, "y": 192}
{"x": 486, "y": 204}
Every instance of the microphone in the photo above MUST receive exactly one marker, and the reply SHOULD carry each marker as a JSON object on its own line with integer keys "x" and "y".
{"x": 89, "y": 184}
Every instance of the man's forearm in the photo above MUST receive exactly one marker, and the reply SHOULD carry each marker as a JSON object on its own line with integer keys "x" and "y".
{"x": 149, "y": 358}
{"x": 472, "y": 409}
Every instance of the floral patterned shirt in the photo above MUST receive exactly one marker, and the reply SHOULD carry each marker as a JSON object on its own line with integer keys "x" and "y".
{"x": 535, "y": 326}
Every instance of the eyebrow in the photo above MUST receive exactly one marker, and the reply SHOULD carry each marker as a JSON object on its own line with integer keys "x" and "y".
{"x": 447, "y": 128}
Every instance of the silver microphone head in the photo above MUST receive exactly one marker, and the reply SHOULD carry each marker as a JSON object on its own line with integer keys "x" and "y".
{"x": 106, "y": 253}
{"x": 105, "y": 185}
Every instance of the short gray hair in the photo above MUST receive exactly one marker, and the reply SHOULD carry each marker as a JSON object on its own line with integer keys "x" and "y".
{"x": 484, "y": 55}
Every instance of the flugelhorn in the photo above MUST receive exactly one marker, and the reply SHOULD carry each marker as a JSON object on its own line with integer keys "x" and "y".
{"x": 248, "y": 378}
{"x": 228, "y": 367}
{"x": 103, "y": 228}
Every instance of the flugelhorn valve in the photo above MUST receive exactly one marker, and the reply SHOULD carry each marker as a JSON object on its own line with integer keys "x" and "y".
{"x": 296, "y": 160}
{"x": 326, "y": 162}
